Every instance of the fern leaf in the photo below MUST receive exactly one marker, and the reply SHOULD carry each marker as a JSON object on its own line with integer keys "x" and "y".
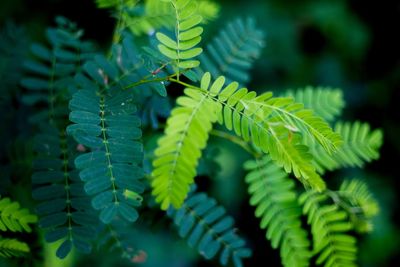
{"x": 274, "y": 125}
{"x": 327, "y": 103}
{"x": 233, "y": 51}
{"x": 180, "y": 148}
{"x": 329, "y": 227}
{"x": 182, "y": 48}
{"x": 64, "y": 208}
{"x": 272, "y": 192}
{"x": 104, "y": 120}
{"x": 12, "y": 248}
{"x": 360, "y": 145}
{"x": 205, "y": 225}
{"x": 50, "y": 73}
{"x": 13, "y": 218}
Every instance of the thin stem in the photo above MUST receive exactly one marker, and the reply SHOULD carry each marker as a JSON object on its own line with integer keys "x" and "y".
{"x": 144, "y": 81}
{"x": 183, "y": 83}
{"x": 236, "y": 140}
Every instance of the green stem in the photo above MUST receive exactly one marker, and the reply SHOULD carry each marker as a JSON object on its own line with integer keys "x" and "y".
{"x": 184, "y": 84}
{"x": 144, "y": 81}
{"x": 236, "y": 140}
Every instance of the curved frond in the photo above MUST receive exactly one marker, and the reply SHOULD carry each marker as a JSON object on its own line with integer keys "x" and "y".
{"x": 181, "y": 49}
{"x": 327, "y": 103}
{"x": 104, "y": 121}
{"x": 180, "y": 148}
{"x": 13, "y": 218}
{"x": 12, "y": 248}
{"x": 233, "y": 51}
{"x": 275, "y": 126}
{"x": 360, "y": 145}
{"x": 52, "y": 68}
{"x": 329, "y": 227}
{"x": 64, "y": 208}
{"x": 273, "y": 194}
{"x": 206, "y": 227}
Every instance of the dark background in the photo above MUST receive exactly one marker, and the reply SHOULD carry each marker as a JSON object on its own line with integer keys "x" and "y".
{"x": 353, "y": 45}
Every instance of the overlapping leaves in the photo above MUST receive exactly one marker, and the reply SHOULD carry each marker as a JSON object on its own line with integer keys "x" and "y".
{"x": 64, "y": 208}
{"x": 275, "y": 125}
{"x": 105, "y": 122}
{"x": 207, "y": 227}
{"x": 272, "y": 192}
{"x": 180, "y": 148}
{"x": 182, "y": 48}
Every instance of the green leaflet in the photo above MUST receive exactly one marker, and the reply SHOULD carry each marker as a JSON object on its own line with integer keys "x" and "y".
{"x": 12, "y": 248}
{"x": 64, "y": 208}
{"x": 104, "y": 121}
{"x": 180, "y": 148}
{"x": 275, "y": 125}
{"x": 273, "y": 194}
{"x": 360, "y": 145}
{"x": 182, "y": 48}
{"x": 329, "y": 228}
{"x": 205, "y": 225}
{"x": 13, "y": 218}
{"x": 49, "y": 75}
{"x": 233, "y": 51}
{"x": 327, "y": 103}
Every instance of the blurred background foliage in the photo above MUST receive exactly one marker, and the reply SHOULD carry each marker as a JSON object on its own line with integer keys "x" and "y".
{"x": 348, "y": 44}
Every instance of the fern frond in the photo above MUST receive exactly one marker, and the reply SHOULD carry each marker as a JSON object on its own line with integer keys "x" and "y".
{"x": 274, "y": 125}
{"x": 355, "y": 196}
{"x": 206, "y": 226}
{"x": 64, "y": 209}
{"x": 52, "y": 70}
{"x": 180, "y": 148}
{"x": 233, "y": 51}
{"x": 104, "y": 120}
{"x": 273, "y": 194}
{"x": 360, "y": 145}
{"x": 12, "y": 248}
{"x": 329, "y": 227}
{"x": 13, "y": 218}
{"x": 327, "y": 103}
{"x": 182, "y": 48}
